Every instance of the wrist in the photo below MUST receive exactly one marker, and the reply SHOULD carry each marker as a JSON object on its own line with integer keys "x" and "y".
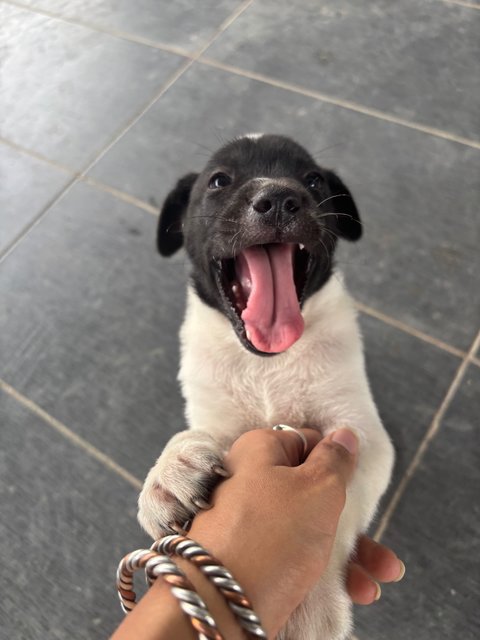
{"x": 215, "y": 602}
{"x": 251, "y": 570}
{"x": 156, "y": 616}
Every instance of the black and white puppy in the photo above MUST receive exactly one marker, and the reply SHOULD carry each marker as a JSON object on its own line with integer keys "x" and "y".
{"x": 270, "y": 336}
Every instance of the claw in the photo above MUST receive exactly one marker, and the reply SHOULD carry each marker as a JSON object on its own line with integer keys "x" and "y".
{"x": 201, "y": 504}
{"x": 177, "y": 528}
{"x": 221, "y": 471}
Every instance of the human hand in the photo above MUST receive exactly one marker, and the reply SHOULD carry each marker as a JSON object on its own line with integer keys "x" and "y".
{"x": 262, "y": 526}
{"x": 371, "y": 563}
{"x": 277, "y": 559}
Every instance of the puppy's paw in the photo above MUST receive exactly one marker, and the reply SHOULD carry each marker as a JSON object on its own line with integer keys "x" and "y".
{"x": 180, "y": 482}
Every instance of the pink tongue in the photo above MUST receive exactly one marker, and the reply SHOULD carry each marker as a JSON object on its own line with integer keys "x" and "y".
{"x": 272, "y": 317}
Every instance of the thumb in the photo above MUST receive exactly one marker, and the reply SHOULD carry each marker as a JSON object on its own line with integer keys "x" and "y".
{"x": 337, "y": 453}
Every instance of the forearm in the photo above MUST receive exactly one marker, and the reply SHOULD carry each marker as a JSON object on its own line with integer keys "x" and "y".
{"x": 158, "y": 615}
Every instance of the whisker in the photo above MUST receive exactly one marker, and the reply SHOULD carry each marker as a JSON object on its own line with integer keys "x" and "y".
{"x": 217, "y": 218}
{"x": 336, "y": 236}
{"x": 337, "y": 195}
{"x": 340, "y": 213}
{"x": 332, "y": 237}
{"x": 316, "y": 154}
{"x": 202, "y": 146}
{"x": 169, "y": 228}
{"x": 234, "y": 240}
{"x": 218, "y": 133}
{"x": 326, "y": 248}
{"x": 334, "y": 213}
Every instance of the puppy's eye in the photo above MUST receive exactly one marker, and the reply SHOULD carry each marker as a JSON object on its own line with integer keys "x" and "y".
{"x": 313, "y": 180}
{"x": 219, "y": 180}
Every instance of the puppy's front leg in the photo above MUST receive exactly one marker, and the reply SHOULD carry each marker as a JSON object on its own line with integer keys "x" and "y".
{"x": 326, "y": 613}
{"x": 180, "y": 482}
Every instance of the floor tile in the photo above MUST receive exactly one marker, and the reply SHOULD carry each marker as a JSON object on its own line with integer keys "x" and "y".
{"x": 96, "y": 314}
{"x": 28, "y": 185}
{"x": 409, "y": 380}
{"x": 66, "y": 522}
{"x": 414, "y": 262}
{"x": 435, "y": 531}
{"x": 412, "y": 59}
{"x": 181, "y": 24}
{"x": 67, "y": 90}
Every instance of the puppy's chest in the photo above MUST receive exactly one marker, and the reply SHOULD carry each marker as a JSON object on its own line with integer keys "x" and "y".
{"x": 273, "y": 398}
{"x": 265, "y": 394}
{"x": 229, "y": 389}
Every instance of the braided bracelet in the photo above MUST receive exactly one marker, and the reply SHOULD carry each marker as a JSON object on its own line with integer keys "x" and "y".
{"x": 156, "y": 564}
{"x": 237, "y": 600}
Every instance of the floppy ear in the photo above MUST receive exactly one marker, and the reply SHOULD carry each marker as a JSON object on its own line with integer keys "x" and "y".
{"x": 347, "y": 223}
{"x": 169, "y": 233}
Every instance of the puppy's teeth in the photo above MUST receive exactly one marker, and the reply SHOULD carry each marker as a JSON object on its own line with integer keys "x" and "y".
{"x": 301, "y": 246}
{"x": 249, "y": 337}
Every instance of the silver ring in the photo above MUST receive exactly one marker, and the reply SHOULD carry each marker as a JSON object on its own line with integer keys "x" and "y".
{"x": 285, "y": 427}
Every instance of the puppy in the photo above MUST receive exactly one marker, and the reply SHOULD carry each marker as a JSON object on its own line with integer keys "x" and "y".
{"x": 270, "y": 336}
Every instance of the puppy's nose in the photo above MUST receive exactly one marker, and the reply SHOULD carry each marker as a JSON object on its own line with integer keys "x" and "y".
{"x": 278, "y": 200}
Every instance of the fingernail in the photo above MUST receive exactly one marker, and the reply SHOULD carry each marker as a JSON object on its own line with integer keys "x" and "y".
{"x": 347, "y": 439}
{"x": 379, "y": 592}
{"x": 402, "y": 572}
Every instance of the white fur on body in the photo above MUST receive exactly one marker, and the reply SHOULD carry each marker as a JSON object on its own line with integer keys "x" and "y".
{"x": 320, "y": 382}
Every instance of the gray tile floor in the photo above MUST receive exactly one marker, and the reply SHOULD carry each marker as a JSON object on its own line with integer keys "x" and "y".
{"x": 103, "y": 104}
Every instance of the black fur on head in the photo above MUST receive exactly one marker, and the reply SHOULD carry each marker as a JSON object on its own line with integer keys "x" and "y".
{"x": 257, "y": 191}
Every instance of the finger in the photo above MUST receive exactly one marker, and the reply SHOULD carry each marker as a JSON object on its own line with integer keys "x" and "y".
{"x": 378, "y": 560}
{"x": 336, "y": 453}
{"x": 270, "y": 448}
{"x": 361, "y": 588}
{"x": 296, "y": 447}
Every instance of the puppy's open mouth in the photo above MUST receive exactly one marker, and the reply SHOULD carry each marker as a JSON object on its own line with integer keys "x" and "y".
{"x": 262, "y": 289}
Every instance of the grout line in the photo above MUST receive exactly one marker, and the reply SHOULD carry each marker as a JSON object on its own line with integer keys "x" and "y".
{"x": 475, "y": 361}
{"x": 134, "y": 119}
{"x": 70, "y": 435}
{"x": 115, "y": 33}
{"x": 470, "y": 5}
{"x": 224, "y": 26}
{"x": 116, "y": 193}
{"x": 6, "y": 251}
{"x": 428, "y": 437}
{"x": 406, "y": 328}
{"x": 121, "y": 195}
{"x": 339, "y": 102}
{"x": 37, "y": 155}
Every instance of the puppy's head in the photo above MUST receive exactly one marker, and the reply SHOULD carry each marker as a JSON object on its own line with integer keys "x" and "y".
{"x": 260, "y": 224}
